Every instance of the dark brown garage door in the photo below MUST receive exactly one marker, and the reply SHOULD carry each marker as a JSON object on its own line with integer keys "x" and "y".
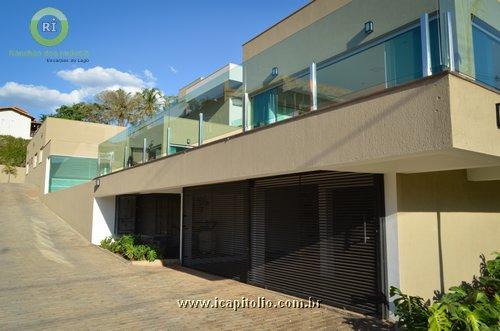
{"x": 215, "y": 229}
{"x": 316, "y": 235}
{"x": 310, "y": 235}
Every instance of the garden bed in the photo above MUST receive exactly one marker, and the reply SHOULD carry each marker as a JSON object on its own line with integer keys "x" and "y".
{"x": 132, "y": 248}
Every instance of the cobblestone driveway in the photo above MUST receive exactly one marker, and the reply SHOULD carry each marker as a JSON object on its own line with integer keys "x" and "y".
{"x": 52, "y": 278}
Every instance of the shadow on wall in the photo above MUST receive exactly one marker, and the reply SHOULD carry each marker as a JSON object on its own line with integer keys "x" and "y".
{"x": 447, "y": 191}
{"x": 357, "y": 39}
{"x": 446, "y": 222}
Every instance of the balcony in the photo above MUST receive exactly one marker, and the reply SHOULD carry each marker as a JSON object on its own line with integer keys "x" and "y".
{"x": 208, "y": 109}
{"x": 347, "y": 54}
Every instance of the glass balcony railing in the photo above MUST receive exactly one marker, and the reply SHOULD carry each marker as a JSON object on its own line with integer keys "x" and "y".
{"x": 470, "y": 37}
{"x": 358, "y": 49}
{"x": 209, "y": 110}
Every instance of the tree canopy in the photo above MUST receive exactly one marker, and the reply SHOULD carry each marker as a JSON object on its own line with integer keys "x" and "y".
{"x": 116, "y": 107}
{"x": 13, "y": 150}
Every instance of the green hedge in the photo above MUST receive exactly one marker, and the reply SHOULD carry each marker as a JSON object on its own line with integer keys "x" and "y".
{"x": 131, "y": 248}
{"x": 13, "y": 150}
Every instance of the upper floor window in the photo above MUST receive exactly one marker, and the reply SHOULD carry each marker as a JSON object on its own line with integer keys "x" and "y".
{"x": 486, "y": 40}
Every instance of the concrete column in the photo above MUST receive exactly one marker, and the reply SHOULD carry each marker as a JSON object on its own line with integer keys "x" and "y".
{"x": 390, "y": 226}
{"x": 46, "y": 182}
{"x": 103, "y": 219}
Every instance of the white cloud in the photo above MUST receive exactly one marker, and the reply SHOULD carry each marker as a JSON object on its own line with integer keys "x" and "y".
{"x": 101, "y": 77}
{"x": 174, "y": 70}
{"x": 37, "y": 97}
{"x": 89, "y": 82}
{"x": 149, "y": 75}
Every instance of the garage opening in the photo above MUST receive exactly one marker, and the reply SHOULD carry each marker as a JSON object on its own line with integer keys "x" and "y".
{"x": 310, "y": 235}
{"x": 155, "y": 218}
{"x": 316, "y": 235}
{"x": 216, "y": 229}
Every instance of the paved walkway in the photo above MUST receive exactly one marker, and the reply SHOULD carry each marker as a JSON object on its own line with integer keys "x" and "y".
{"x": 52, "y": 278}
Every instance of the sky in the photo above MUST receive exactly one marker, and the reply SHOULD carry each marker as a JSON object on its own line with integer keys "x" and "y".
{"x": 129, "y": 44}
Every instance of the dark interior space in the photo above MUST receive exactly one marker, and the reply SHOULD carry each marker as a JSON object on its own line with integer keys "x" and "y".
{"x": 310, "y": 235}
{"x": 216, "y": 238}
{"x": 155, "y": 218}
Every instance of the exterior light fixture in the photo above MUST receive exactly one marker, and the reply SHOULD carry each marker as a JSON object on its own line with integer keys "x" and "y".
{"x": 188, "y": 141}
{"x": 498, "y": 115}
{"x": 97, "y": 182}
{"x": 369, "y": 27}
{"x": 274, "y": 71}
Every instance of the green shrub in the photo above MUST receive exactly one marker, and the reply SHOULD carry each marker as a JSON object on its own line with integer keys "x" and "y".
{"x": 13, "y": 150}
{"x": 131, "y": 248}
{"x": 151, "y": 255}
{"x": 107, "y": 242}
{"x": 468, "y": 306}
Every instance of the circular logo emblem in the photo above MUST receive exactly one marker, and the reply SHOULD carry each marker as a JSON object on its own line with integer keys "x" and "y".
{"x": 49, "y": 26}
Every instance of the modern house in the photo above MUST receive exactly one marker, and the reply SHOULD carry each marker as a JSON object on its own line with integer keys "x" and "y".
{"x": 63, "y": 153}
{"x": 356, "y": 148}
{"x": 17, "y": 122}
{"x": 215, "y": 101}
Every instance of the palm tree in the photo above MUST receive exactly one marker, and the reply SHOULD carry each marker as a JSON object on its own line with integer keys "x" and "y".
{"x": 9, "y": 170}
{"x": 150, "y": 102}
{"x": 121, "y": 106}
{"x": 169, "y": 100}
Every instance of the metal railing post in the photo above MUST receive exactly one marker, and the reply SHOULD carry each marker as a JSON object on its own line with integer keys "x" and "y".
{"x": 247, "y": 108}
{"x": 426, "y": 45}
{"x": 169, "y": 135}
{"x": 451, "y": 48}
{"x": 200, "y": 129}
{"x": 313, "y": 86}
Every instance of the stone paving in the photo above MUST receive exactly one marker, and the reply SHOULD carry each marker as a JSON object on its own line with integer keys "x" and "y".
{"x": 52, "y": 278}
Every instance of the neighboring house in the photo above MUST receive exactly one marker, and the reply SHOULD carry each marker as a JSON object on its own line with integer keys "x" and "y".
{"x": 360, "y": 152}
{"x": 63, "y": 153}
{"x": 17, "y": 122}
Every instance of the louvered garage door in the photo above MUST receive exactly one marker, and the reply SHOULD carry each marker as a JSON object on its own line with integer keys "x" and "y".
{"x": 216, "y": 229}
{"x": 315, "y": 235}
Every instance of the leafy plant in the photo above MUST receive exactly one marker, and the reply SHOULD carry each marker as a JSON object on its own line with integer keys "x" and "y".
{"x": 9, "y": 170}
{"x": 412, "y": 311}
{"x": 131, "y": 248}
{"x": 468, "y": 306}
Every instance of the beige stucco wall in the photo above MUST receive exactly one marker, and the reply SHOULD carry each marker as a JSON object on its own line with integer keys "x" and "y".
{"x": 67, "y": 138}
{"x": 72, "y": 138}
{"x": 473, "y": 117}
{"x": 444, "y": 219}
{"x": 382, "y": 134}
{"x": 298, "y": 20}
{"x": 18, "y": 178}
{"x": 73, "y": 205}
{"x": 36, "y": 175}
{"x": 480, "y": 174}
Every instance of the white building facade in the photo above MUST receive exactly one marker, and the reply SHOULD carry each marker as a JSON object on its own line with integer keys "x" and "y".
{"x": 15, "y": 122}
